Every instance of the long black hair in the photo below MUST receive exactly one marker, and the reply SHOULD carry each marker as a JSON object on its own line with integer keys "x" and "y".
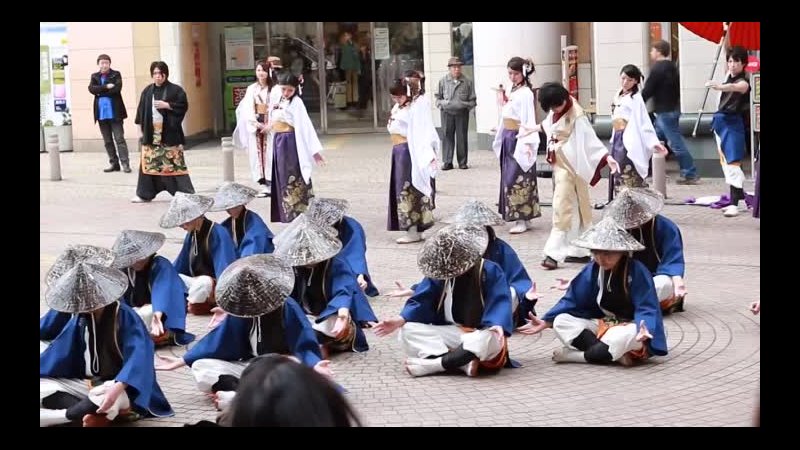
{"x": 275, "y": 391}
{"x": 287, "y": 78}
{"x": 525, "y": 66}
{"x": 632, "y": 72}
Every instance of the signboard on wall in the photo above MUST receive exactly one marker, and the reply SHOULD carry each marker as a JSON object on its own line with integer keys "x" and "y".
{"x": 44, "y": 70}
{"x": 236, "y": 82}
{"x": 196, "y": 54}
{"x": 382, "y": 49}
{"x": 756, "y": 102}
{"x": 239, "y": 48}
{"x": 569, "y": 61}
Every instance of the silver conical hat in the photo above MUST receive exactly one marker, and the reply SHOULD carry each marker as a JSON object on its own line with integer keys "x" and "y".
{"x": 327, "y": 211}
{"x": 304, "y": 242}
{"x": 634, "y": 207}
{"x": 254, "y": 285}
{"x": 86, "y": 287}
{"x": 452, "y": 250}
{"x": 300, "y": 221}
{"x": 231, "y": 194}
{"x": 75, "y": 254}
{"x": 608, "y": 235}
{"x": 185, "y": 207}
{"x": 474, "y": 212}
{"x": 134, "y": 245}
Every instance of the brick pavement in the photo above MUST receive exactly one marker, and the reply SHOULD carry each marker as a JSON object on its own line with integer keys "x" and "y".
{"x": 710, "y": 377}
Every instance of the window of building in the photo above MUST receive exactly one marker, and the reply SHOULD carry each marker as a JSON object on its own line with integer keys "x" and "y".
{"x": 462, "y": 41}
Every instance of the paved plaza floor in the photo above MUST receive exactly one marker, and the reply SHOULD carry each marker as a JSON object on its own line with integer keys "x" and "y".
{"x": 710, "y": 377}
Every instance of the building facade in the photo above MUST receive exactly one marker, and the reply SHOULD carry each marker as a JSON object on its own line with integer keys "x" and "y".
{"x": 214, "y": 61}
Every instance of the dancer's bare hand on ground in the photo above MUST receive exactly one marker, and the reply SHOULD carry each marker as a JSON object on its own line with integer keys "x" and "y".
{"x": 535, "y": 325}
{"x": 755, "y": 307}
{"x": 324, "y": 367}
{"x": 168, "y": 362}
{"x": 401, "y": 291}
{"x": 388, "y": 326}
{"x": 644, "y": 333}
{"x": 562, "y": 284}
{"x": 217, "y": 318}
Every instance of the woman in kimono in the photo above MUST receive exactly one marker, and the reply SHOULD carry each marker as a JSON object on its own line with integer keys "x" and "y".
{"x": 637, "y": 210}
{"x": 460, "y": 314}
{"x": 325, "y": 286}
{"x": 252, "y": 126}
{"x": 522, "y": 289}
{"x": 331, "y": 212}
{"x": 610, "y": 312}
{"x": 101, "y": 365}
{"x": 207, "y": 249}
{"x": 516, "y": 146}
{"x": 728, "y": 125}
{"x": 51, "y": 324}
{"x": 634, "y": 139}
{"x": 295, "y": 149}
{"x": 155, "y": 290}
{"x": 261, "y": 318}
{"x": 250, "y": 234}
{"x": 162, "y": 107}
{"x": 422, "y": 102}
{"x": 413, "y": 164}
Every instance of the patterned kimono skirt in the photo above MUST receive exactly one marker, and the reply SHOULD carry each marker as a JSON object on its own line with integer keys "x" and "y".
{"x": 627, "y": 176}
{"x": 162, "y": 168}
{"x": 408, "y": 207}
{"x": 519, "y": 191}
{"x": 290, "y": 194}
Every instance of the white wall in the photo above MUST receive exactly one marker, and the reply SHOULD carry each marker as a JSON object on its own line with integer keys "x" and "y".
{"x": 615, "y": 44}
{"x": 170, "y": 33}
{"x": 497, "y": 42}
{"x": 696, "y": 60}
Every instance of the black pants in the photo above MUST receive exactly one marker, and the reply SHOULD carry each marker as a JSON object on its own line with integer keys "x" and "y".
{"x": 454, "y": 129}
{"x": 107, "y": 128}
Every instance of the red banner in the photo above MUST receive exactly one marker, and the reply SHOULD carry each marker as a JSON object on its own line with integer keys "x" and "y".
{"x": 569, "y": 58}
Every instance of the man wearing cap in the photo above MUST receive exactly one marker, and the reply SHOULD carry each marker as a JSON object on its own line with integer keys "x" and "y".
{"x": 101, "y": 365}
{"x": 610, "y": 312}
{"x": 460, "y": 314}
{"x": 207, "y": 249}
{"x": 51, "y": 324}
{"x": 155, "y": 290}
{"x": 331, "y": 212}
{"x": 325, "y": 286}
{"x": 523, "y": 290}
{"x": 262, "y": 318}
{"x": 637, "y": 210}
{"x": 455, "y": 97}
{"x": 251, "y": 236}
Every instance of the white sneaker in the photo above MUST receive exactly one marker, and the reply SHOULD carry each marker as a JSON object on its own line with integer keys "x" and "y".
{"x": 730, "y": 211}
{"x": 528, "y": 225}
{"x": 518, "y": 228}
{"x": 419, "y": 367}
{"x": 265, "y": 192}
{"x": 137, "y": 199}
{"x": 412, "y": 235}
{"x": 471, "y": 368}
{"x": 567, "y": 355}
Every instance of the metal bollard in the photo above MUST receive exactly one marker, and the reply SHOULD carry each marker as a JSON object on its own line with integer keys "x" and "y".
{"x": 55, "y": 157}
{"x": 227, "y": 158}
{"x": 660, "y": 173}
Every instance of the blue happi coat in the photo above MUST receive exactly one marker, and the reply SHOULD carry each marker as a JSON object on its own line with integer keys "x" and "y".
{"x": 257, "y": 235}
{"x": 354, "y": 250}
{"x": 64, "y": 358}
{"x": 581, "y": 301}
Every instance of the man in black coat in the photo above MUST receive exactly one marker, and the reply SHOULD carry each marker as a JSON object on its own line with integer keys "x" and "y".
{"x": 109, "y": 112}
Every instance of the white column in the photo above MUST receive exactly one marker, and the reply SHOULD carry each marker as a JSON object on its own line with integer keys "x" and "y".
{"x": 497, "y": 42}
{"x": 437, "y": 44}
{"x": 615, "y": 45}
{"x": 170, "y": 33}
{"x": 697, "y": 59}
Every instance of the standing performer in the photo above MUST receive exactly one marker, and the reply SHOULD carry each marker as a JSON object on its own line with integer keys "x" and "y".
{"x": 252, "y": 129}
{"x": 577, "y": 156}
{"x": 295, "y": 150}
{"x": 413, "y": 164}
{"x": 516, "y": 147}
